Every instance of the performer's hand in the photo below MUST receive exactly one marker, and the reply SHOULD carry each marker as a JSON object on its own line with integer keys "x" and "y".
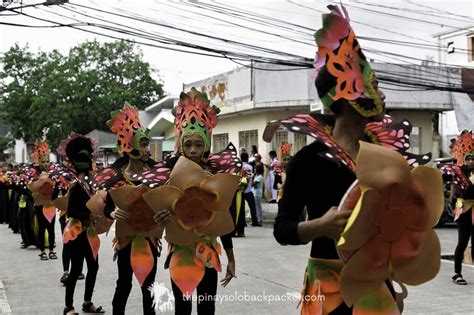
{"x": 163, "y": 217}
{"x": 96, "y": 218}
{"x": 333, "y": 222}
{"x": 230, "y": 273}
{"x": 120, "y": 214}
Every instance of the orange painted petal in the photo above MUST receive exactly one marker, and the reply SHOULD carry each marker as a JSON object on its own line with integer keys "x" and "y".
{"x": 208, "y": 256}
{"x": 222, "y": 224}
{"x": 176, "y": 234}
{"x": 163, "y": 197}
{"x": 141, "y": 258}
{"x": 324, "y": 304}
{"x": 96, "y": 203}
{"x": 321, "y": 292}
{"x": 225, "y": 186}
{"x": 377, "y": 302}
{"x": 49, "y": 212}
{"x": 94, "y": 241}
{"x": 379, "y": 167}
{"x": 424, "y": 266}
{"x": 185, "y": 270}
{"x": 356, "y": 232}
{"x": 121, "y": 196}
{"x": 72, "y": 230}
{"x": 430, "y": 184}
{"x": 186, "y": 174}
{"x": 365, "y": 271}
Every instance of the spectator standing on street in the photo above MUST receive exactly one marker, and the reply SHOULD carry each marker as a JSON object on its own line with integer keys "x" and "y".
{"x": 247, "y": 193}
{"x": 274, "y": 176}
{"x": 257, "y": 190}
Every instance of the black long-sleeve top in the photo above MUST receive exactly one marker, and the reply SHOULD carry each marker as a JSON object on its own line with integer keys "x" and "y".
{"x": 469, "y": 192}
{"x": 76, "y": 207}
{"x": 316, "y": 183}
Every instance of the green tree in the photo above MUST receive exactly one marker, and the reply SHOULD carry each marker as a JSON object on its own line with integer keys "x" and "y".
{"x": 52, "y": 94}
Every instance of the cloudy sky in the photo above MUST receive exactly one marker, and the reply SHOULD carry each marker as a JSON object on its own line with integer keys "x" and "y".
{"x": 283, "y": 28}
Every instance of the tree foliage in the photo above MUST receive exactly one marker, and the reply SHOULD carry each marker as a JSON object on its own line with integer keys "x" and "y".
{"x": 46, "y": 93}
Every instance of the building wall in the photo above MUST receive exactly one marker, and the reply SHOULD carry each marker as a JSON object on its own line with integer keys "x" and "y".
{"x": 448, "y": 130}
{"x": 422, "y": 120}
{"x": 251, "y": 121}
{"x": 227, "y": 88}
{"x": 277, "y": 86}
{"x": 21, "y": 152}
{"x": 460, "y": 42}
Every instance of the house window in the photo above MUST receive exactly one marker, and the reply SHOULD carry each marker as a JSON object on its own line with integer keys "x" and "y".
{"x": 220, "y": 142}
{"x": 281, "y": 136}
{"x": 299, "y": 142}
{"x": 248, "y": 138}
{"x": 470, "y": 49}
{"x": 415, "y": 140}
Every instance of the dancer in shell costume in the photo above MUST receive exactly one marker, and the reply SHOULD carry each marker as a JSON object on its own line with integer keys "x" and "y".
{"x": 193, "y": 206}
{"x": 369, "y": 233}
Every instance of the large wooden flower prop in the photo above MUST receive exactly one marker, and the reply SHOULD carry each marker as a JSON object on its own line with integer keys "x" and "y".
{"x": 96, "y": 205}
{"x": 198, "y": 201}
{"x": 137, "y": 228}
{"x": 390, "y": 232}
{"x": 42, "y": 190}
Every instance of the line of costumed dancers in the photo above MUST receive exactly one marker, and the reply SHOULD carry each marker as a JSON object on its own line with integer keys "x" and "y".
{"x": 370, "y": 206}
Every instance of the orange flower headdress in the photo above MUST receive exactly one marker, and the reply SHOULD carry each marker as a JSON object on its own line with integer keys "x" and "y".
{"x": 126, "y": 124}
{"x": 194, "y": 115}
{"x": 40, "y": 152}
{"x": 462, "y": 146}
{"x": 284, "y": 151}
{"x": 341, "y": 54}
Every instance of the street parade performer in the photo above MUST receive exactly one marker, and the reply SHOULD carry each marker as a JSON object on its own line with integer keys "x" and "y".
{"x": 41, "y": 190}
{"x": 119, "y": 196}
{"x": 383, "y": 226}
{"x": 193, "y": 206}
{"x": 80, "y": 233}
{"x": 462, "y": 174}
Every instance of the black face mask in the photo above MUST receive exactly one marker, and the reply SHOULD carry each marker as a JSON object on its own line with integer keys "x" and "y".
{"x": 83, "y": 161}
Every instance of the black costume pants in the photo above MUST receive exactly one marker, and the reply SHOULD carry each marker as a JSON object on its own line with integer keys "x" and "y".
{"x": 465, "y": 231}
{"x": 26, "y": 220}
{"x": 206, "y": 293}
{"x": 80, "y": 249}
{"x": 124, "y": 281}
{"x": 44, "y": 225}
{"x": 65, "y": 255}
